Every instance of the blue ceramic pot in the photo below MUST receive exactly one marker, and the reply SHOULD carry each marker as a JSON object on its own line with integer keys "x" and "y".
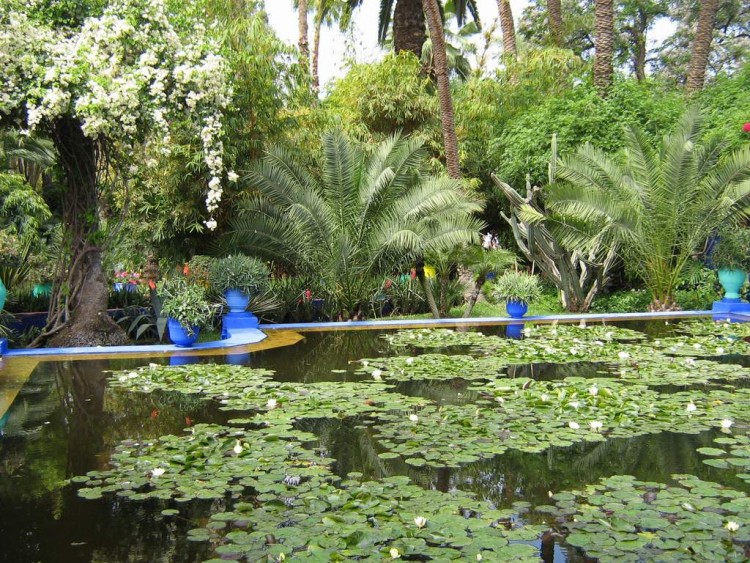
{"x": 732, "y": 281}
{"x": 179, "y": 336}
{"x": 516, "y": 309}
{"x": 236, "y": 300}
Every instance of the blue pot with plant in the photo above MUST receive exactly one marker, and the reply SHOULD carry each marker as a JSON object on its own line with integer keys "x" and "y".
{"x": 730, "y": 255}
{"x": 239, "y": 278}
{"x": 185, "y": 304}
{"x": 517, "y": 289}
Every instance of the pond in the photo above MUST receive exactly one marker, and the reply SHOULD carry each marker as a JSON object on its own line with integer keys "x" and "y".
{"x": 614, "y": 442}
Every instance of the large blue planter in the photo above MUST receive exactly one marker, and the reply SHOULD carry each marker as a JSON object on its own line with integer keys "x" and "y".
{"x": 516, "y": 309}
{"x": 179, "y": 336}
{"x": 236, "y": 300}
{"x": 732, "y": 281}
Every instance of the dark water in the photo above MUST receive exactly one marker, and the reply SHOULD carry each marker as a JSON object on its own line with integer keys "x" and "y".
{"x": 65, "y": 422}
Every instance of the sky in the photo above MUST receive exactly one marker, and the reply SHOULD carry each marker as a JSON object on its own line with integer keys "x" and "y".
{"x": 361, "y": 42}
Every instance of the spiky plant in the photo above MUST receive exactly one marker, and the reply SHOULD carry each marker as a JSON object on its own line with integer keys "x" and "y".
{"x": 659, "y": 203}
{"x": 367, "y": 213}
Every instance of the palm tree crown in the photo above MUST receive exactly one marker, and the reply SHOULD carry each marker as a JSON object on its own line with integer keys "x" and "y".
{"x": 366, "y": 213}
{"x": 661, "y": 204}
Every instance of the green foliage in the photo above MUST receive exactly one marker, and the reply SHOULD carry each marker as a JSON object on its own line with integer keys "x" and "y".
{"x": 371, "y": 209}
{"x": 659, "y": 204}
{"x": 237, "y": 271}
{"x": 385, "y": 97}
{"x": 725, "y": 104}
{"x": 184, "y": 300}
{"x": 731, "y": 251}
{"x": 627, "y": 301}
{"x": 516, "y": 286}
{"x": 23, "y": 212}
{"x": 578, "y": 115}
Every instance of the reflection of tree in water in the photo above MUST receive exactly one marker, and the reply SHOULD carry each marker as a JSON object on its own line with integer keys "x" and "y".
{"x": 552, "y": 372}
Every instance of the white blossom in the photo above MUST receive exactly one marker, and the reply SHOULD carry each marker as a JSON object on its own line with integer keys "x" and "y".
{"x": 420, "y": 521}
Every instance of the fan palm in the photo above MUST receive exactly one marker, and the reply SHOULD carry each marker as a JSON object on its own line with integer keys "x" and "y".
{"x": 368, "y": 213}
{"x": 660, "y": 204}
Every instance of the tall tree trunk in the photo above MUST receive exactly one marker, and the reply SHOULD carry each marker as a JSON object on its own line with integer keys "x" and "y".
{"x": 440, "y": 61}
{"x": 427, "y": 289}
{"x": 409, "y": 33}
{"x": 554, "y": 12}
{"x": 604, "y": 41}
{"x": 304, "y": 50}
{"x": 316, "y": 50}
{"x": 508, "y": 27}
{"x": 78, "y": 305}
{"x": 702, "y": 45}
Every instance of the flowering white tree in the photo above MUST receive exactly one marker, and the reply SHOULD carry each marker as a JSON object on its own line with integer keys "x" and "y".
{"x": 103, "y": 90}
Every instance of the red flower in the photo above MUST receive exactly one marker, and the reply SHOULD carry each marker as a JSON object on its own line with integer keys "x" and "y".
{"x": 152, "y": 284}
{"x": 186, "y": 269}
{"x": 154, "y": 413}
{"x": 746, "y": 127}
{"x": 388, "y": 283}
{"x": 308, "y": 295}
{"x": 188, "y": 421}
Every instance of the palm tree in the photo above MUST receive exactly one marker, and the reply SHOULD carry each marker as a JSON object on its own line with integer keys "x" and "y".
{"x": 407, "y": 18}
{"x": 508, "y": 27}
{"x": 304, "y": 49}
{"x": 660, "y": 204}
{"x": 481, "y": 262}
{"x": 326, "y": 12}
{"x": 554, "y": 13}
{"x": 448, "y": 122}
{"x": 369, "y": 211}
{"x": 702, "y": 45}
{"x": 604, "y": 44}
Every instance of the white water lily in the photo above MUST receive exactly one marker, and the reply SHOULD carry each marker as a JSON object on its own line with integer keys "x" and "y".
{"x": 690, "y": 361}
{"x": 623, "y": 355}
{"x": 395, "y": 554}
{"x": 158, "y": 471}
{"x": 409, "y": 361}
{"x": 238, "y": 448}
{"x": 365, "y": 363}
{"x": 573, "y": 351}
{"x": 376, "y": 374}
{"x": 726, "y": 424}
{"x": 691, "y": 407}
{"x": 420, "y": 521}
{"x": 574, "y": 425}
{"x": 608, "y": 335}
{"x": 594, "y": 390}
{"x": 657, "y": 342}
{"x": 598, "y": 343}
{"x": 595, "y": 425}
{"x": 697, "y": 346}
{"x": 720, "y": 350}
{"x": 689, "y": 507}
{"x": 479, "y": 556}
{"x": 732, "y": 526}
{"x": 413, "y": 418}
{"x": 526, "y": 332}
{"x": 272, "y": 404}
{"x": 574, "y": 404}
{"x": 545, "y": 397}
{"x": 499, "y": 399}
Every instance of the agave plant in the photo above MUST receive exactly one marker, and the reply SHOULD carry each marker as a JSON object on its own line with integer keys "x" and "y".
{"x": 659, "y": 203}
{"x": 370, "y": 211}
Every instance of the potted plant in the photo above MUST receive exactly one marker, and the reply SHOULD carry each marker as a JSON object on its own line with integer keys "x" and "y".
{"x": 730, "y": 255}
{"x": 238, "y": 277}
{"x": 187, "y": 308}
{"x": 517, "y": 289}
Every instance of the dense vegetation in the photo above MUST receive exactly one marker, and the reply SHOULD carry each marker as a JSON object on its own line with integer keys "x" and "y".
{"x": 82, "y": 200}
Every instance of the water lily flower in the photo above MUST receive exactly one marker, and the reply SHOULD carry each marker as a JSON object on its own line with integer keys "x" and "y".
{"x": 272, "y": 404}
{"x": 732, "y": 526}
{"x": 690, "y": 361}
{"x": 720, "y": 350}
{"x": 623, "y": 355}
{"x": 608, "y": 335}
{"x": 238, "y": 448}
{"x": 691, "y": 407}
{"x": 158, "y": 471}
{"x": 395, "y": 554}
{"x": 594, "y": 390}
{"x": 413, "y": 418}
{"x": 545, "y": 397}
{"x": 726, "y": 424}
{"x": 479, "y": 556}
{"x": 574, "y": 404}
{"x": 410, "y": 361}
{"x": 689, "y": 507}
{"x": 595, "y": 425}
{"x": 420, "y": 521}
{"x": 376, "y": 374}
{"x": 657, "y": 342}
{"x": 526, "y": 332}
{"x": 598, "y": 343}
{"x": 573, "y": 351}
{"x": 574, "y": 425}
{"x": 499, "y": 399}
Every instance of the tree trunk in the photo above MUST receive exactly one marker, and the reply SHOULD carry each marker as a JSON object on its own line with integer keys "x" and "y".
{"x": 554, "y": 12}
{"x": 304, "y": 50}
{"x": 702, "y": 45}
{"x": 427, "y": 289}
{"x": 508, "y": 28}
{"x": 78, "y": 306}
{"x": 604, "y": 41}
{"x": 409, "y": 33}
{"x": 638, "y": 34}
{"x": 316, "y": 50}
{"x": 440, "y": 61}
{"x": 474, "y": 296}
